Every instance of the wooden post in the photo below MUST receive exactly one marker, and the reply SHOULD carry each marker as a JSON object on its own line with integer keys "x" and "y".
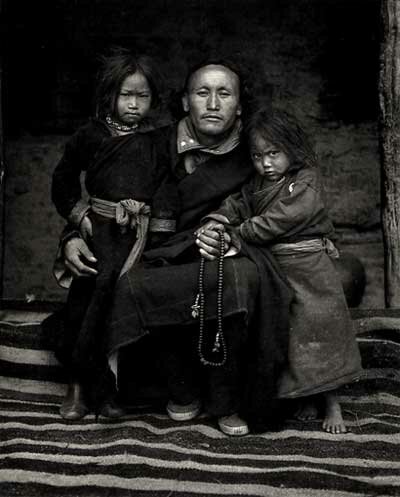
{"x": 2, "y": 172}
{"x": 389, "y": 100}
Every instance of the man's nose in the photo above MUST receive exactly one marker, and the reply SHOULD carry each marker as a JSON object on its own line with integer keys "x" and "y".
{"x": 213, "y": 101}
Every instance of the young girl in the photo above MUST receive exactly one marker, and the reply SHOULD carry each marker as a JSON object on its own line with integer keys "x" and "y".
{"x": 282, "y": 207}
{"x": 127, "y": 180}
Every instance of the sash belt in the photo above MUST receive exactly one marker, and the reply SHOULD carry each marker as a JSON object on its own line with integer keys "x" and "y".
{"x": 127, "y": 213}
{"x": 314, "y": 245}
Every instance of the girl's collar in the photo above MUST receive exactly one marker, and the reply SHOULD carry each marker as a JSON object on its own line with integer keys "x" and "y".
{"x": 124, "y": 128}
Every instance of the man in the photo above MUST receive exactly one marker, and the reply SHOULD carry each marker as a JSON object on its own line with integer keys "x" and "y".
{"x": 210, "y": 162}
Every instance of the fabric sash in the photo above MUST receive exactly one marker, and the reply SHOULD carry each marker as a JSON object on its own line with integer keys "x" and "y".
{"x": 128, "y": 212}
{"x": 314, "y": 245}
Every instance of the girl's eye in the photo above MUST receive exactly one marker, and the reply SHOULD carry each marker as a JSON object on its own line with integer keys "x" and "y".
{"x": 144, "y": 95}
{"x": 257, "y": 156}
{"x": 273, "y": 153}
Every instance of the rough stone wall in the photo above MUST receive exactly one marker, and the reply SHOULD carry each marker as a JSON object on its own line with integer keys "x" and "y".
{"x": 290, "y": 43}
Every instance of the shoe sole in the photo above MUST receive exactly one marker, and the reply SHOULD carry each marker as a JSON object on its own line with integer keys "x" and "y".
{"x": 183, "y": 416}
{"x": 234, "y": 431}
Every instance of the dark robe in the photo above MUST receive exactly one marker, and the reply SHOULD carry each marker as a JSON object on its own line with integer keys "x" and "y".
{"x": 117, "y": 167}
{"x": 159, "y": 292}
{"x": 322, "y": 349}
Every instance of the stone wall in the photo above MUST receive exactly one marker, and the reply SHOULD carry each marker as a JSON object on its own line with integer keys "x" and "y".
{"x": 319, "y": 58}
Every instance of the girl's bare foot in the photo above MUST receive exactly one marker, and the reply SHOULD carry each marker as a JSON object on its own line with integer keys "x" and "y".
{"x": 333, "y": 421}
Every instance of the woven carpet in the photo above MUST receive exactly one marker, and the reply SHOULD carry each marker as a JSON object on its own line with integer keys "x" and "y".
{"x": 147, "y": 454}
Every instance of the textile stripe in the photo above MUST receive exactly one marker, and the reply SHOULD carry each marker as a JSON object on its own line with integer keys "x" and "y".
{"x": 146, "y": 454}
{"x": 151, "y": 453}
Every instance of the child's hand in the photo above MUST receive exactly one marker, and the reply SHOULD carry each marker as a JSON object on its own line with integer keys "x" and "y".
{"x": 85, "y": 228}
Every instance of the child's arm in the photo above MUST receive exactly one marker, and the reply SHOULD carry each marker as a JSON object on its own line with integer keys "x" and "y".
{"x": 302, "y": 206}
{"x": 66, "y": 190}
{"x": 234, "y": 209}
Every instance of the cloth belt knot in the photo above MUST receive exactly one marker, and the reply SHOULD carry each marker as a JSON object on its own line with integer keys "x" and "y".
{"x": 126, "y": 212}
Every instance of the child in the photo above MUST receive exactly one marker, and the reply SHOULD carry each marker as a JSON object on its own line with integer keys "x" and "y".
{"x": 282, "y": 207}
{"x": 127, "y": 177}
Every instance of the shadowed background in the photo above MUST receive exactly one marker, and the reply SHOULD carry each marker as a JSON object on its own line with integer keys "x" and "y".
{"x": 320, "y": 58}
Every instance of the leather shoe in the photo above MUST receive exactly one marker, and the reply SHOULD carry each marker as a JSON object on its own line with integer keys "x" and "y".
{"x": 74, "y": 406}
{"x": 110, "y": 409}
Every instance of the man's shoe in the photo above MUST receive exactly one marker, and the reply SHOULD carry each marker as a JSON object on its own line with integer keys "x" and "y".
{"x": 233, "y": 425}
{"x": 110, "y": 409}
{"x": 179, "y": 412}
{"x": 74, "y": 406}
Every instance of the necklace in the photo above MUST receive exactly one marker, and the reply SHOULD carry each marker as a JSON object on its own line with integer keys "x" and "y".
{"x": 125, "y": 128}
{"x": 198, "y": 310}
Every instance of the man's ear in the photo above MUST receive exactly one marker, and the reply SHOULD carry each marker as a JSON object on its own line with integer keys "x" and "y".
{"x": 185, "y": 102}
{"x": 239, "y": 110}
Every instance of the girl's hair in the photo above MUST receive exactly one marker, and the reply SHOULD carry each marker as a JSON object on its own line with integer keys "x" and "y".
{"x": 284, "y": 131}
{"x": 115, "y": 68}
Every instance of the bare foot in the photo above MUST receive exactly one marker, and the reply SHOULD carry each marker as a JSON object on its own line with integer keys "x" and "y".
{"x": 307, "y": 410}
{"x": 333, "y": 421}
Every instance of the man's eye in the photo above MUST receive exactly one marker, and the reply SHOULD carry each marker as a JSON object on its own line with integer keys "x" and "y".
{"x": 202, "y": 93}
{"x": 224, "y": 94}
{"x": 144, "y": 95}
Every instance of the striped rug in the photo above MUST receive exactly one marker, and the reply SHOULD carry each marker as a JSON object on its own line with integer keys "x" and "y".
{"x": 147, "y": 454}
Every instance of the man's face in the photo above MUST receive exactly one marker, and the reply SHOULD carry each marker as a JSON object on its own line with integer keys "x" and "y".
{"x": 213, "y": 102}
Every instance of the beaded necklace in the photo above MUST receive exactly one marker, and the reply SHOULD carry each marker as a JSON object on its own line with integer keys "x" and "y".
{"x": 198, "y": 309}
{"x": 125, "y": 128}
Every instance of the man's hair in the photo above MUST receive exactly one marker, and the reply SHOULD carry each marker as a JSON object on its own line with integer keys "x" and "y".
{"x": 115, "y": 67}
{"x": 215, "y": 61}
{"x": 284, "y": 131}
{"x": 228, "y": 62}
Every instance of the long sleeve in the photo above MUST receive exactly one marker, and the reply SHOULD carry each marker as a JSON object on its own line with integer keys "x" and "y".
{"x": 234, "y": 209}
{"x": 299, "y": 210}
{"x": 66, "y": 190}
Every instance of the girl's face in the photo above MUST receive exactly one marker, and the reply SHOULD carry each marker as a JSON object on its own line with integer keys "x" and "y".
{"x": 270, "y": 161}
{"x": 134, "y": 99}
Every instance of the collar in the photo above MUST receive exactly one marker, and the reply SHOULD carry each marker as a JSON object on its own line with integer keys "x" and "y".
{"x": 143, "y": 127}
{"x": 187, "y": 140}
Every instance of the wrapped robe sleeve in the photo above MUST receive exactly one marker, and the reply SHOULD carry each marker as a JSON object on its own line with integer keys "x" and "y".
{"x": 300, "y": 208}
{"x": 66, "y": 192}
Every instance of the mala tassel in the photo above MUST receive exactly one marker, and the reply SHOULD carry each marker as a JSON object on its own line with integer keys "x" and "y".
{"x": 196, "y": 307}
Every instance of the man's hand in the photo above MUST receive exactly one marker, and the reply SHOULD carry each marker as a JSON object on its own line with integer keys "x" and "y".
{"x": 77, "y": 256}
{"x": 85, "y": 228}
{"x": 208, "y": 239}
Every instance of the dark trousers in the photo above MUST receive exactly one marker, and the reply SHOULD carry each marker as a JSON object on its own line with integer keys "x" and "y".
{"x": 188, "y": 378}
